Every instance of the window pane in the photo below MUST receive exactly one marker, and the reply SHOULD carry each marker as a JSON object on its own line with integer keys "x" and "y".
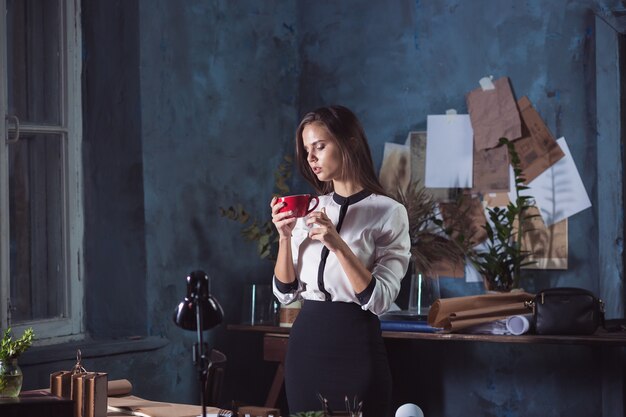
{"x": 34, "y": 60}
{"x": 37, "y": 245}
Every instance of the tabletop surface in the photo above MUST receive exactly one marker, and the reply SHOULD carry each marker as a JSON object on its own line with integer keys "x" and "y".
{"x": 600, "y": 338}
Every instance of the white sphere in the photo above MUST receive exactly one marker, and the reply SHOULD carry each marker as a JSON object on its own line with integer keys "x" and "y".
{"x": 409, "y": 410}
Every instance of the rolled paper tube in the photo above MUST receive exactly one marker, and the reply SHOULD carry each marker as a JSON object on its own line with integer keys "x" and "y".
{"x": 119, "y": 387}
{"x": 517, "y": 324}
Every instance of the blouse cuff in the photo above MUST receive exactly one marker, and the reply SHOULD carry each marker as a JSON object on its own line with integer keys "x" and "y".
{"x": 286, "y": 288}
{"x": 364, "y": 296}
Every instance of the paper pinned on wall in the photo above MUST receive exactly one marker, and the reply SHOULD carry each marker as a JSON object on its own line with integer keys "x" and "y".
{"x": 497, "y": 199}
{"x": 416, "y": 141}
{"x": 491, "y": 170}
{"x": 449, "y": 151}
{"x": 547, "y": 245}
{"x": 537, "y": 149}
{"x": 494, "y": 114}
{"x": 558, "y": 191}
{"x": 465, "y": 217}
{"x": 471, "y": 273}
{"x": 395, "y": 171}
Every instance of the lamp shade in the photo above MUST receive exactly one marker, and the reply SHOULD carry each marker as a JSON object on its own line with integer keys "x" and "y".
{"x": 198, "y": 292}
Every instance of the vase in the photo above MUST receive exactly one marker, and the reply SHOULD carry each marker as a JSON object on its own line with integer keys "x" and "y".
{"x": 10, "y": 378}
{"x": 424, "y": 291}
{"x": 259, "y": 306}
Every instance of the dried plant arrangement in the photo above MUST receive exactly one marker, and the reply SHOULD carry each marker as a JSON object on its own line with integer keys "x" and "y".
{"x": 429, "y": 242}
{"x": 262, "y": 232}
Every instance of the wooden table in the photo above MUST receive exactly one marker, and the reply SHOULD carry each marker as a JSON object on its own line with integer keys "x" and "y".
{"x": 275, "y": 347}
{"x": 601, "y": 338}
{"x": 39, "y": 403}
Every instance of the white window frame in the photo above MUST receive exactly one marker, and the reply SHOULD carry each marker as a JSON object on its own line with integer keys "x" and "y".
{"x": 70, "y": 326}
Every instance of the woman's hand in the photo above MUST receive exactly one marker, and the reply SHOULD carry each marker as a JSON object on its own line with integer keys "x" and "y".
{"x": 323, "y": 229}
{"x": 284, "y": 222}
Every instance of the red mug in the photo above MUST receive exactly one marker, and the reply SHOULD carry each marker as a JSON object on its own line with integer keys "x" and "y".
{"x": 299, "y": 204}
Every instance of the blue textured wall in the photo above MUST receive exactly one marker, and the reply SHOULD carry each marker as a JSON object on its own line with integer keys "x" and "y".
{"x": 224, "y": 83}
{"x": 208, "y": 98}
{"x": 395, "y": 63}
{"x": 219, "y": 94}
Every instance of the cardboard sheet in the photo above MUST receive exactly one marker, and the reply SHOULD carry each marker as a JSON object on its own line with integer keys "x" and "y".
{"x": 491, "y": 170}
{"x": 494, "y": 114}
{"x": 548, "y": 246}
{"x": 449, "y": 151}
{"x": 416, "y": 141}
{"x": 395, "y": 171}
{"x": 466, "y": 217}
{"x": 559, "y": 190}
{"x": 448, "y": 268}
{"x": 501, "y": 199}
{"x": 537, "y": 149}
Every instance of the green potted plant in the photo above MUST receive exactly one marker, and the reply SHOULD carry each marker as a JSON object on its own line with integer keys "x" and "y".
{"x": 500, "y": 265}
{"x": 10, "y": 372}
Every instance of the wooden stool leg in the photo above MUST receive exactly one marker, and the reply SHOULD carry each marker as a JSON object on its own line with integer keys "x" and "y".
{"x": 272, "y": 396}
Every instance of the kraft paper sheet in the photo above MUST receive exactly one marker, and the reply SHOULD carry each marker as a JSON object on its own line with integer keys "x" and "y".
{"x": 538, "y": 149}
{"x": 491, "y": 170}
{"x": 136, "y": 406}
{"x": 454, "y": 314}
{"x": 494, "y": 114}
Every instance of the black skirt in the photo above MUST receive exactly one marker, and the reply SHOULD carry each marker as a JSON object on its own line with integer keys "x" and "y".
{"x": 336, "y": 349}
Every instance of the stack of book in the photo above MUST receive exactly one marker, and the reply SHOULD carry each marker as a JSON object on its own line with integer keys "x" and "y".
{"x": 405, "y": 321}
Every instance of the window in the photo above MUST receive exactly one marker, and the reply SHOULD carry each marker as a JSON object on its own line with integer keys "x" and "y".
{"x": 41, "y": 221}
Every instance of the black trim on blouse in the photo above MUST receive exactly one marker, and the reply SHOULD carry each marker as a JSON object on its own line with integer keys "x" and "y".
{"x": 286, "y": 288}
{"x": 365, "y": 295}
{"x": 344, "y": 202}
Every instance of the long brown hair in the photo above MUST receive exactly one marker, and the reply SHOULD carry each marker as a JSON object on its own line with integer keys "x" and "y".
{"x": 346, "y": 130}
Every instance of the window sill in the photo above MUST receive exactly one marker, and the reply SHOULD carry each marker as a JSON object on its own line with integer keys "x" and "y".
{"x": 90, "y": 349}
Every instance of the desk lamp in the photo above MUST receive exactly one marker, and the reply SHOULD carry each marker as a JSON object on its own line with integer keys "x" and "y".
{"x": 199, "y": 311}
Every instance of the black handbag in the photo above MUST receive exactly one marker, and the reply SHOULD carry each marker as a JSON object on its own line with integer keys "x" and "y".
{"x": 566, "y": 311}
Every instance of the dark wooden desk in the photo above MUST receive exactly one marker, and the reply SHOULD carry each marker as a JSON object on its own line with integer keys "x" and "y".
{"x": 275, "y": 347}
{"x": 36, "y": 404}
{"x": 601, "y": 338}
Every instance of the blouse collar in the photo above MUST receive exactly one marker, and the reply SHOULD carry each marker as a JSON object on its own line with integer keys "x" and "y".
{"x": 354, "y": 198}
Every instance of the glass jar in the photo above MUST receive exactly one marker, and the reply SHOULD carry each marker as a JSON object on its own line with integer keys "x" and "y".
{"x": 10, "y": 378}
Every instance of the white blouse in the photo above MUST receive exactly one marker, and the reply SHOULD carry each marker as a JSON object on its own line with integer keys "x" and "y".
{"x": 376, "y": 228}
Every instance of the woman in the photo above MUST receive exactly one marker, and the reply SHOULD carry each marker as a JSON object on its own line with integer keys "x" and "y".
{"x": 347, "y": 268}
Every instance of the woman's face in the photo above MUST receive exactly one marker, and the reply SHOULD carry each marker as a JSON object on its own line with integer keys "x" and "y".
{"x": 323, "y": 154}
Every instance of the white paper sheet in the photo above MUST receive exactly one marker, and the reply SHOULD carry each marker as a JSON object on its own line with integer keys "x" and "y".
{"x": 497, "y": 327}
{"x": 558, "y": 191}
{"x": 471, "y": 273}
{"x": 449, "y": 151}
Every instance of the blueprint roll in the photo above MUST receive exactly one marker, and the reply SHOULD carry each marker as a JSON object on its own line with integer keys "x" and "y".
{"x": 518, "y": 324}
{"x": 409, "y": 410}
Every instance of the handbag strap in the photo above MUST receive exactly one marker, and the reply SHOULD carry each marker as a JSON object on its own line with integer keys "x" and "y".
{"x": 613, "y": 328}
